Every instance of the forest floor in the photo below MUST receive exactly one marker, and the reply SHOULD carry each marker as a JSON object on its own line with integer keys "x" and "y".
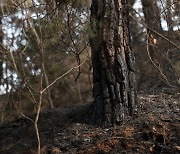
{"x": 155, "y": 129}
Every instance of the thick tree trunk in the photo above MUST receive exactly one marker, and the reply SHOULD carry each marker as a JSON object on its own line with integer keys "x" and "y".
{"x": 113, "y": 77}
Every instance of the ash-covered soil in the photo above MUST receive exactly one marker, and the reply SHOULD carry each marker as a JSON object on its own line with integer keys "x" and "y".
{"x": 155, "y": 129}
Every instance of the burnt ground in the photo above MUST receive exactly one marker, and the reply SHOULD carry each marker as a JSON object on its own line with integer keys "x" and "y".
{"x": 155, "y": 129}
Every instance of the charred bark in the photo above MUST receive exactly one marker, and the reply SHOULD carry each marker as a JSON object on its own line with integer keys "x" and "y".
{"x": 114, "y": 89}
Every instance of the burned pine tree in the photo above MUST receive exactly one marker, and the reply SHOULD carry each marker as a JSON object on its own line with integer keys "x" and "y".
{"x": 114, "y": 89}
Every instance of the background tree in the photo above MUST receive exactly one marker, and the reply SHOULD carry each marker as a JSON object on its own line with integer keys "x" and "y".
{"x": 154, "y": 32}
{"x": 156, "y": 46}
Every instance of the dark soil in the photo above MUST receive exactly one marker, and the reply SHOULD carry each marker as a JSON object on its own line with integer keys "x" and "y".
{"x": 155, "y": 129}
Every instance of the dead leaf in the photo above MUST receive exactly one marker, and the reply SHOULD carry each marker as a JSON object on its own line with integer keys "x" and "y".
{"x": 103, "y": 146}
{"x": 151, "y": 149}
{"x": 177, "y": 147}
{"x": 129, "y": 131}
{"x": 56, "y": 151}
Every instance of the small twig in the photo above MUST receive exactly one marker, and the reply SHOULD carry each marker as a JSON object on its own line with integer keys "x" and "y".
{"x": 37, "y": 116}
{"x": 23, "y": 115}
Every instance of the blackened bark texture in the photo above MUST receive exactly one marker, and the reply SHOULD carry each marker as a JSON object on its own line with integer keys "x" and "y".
{"x": 114, "y": 89}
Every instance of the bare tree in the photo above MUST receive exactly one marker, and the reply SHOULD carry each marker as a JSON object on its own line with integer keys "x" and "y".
{"x": 158, "y": 48}
{"x": 1, "y": 55}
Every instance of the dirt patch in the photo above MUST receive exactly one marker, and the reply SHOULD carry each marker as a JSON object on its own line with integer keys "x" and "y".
{"x": 155, "y": 129}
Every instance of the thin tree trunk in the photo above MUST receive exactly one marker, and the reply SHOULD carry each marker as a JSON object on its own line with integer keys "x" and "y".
{"x": 1, "y": 54}
{"x": 169, "y": 15}
{"x": 152, "y": 14}
{"x": 51, "y": 8}
{"x": 114, "y": 89}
